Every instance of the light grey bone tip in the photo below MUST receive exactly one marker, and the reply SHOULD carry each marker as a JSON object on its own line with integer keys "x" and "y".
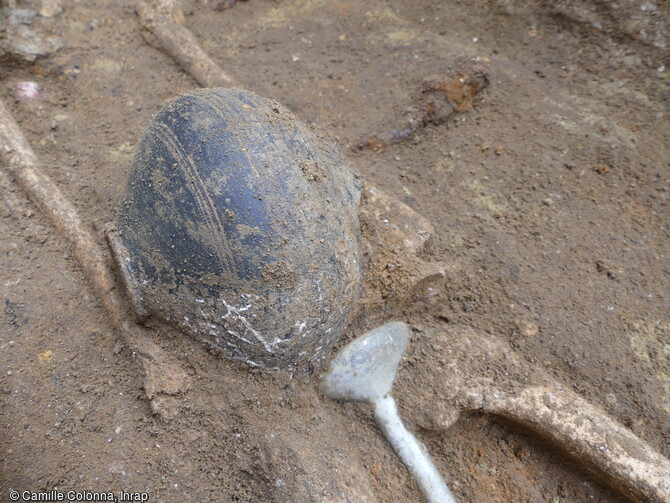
{"x": 365, "y": 368}
{"x": 364, "y": 371}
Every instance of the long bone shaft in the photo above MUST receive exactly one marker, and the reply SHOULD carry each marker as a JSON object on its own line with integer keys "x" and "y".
{"x": 163, "y": 19}
{"x": 588, "y": 434}
{"x": 161, "y": 374}
{"x": 482, "y": 373}
{"x": 21, "y": 162}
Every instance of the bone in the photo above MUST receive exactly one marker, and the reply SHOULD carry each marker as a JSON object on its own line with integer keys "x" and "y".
{"x": 482, "y": 373}
{"x": 393, "y": 237}
{"x": 162, "y": 23}
{"x": 364, "y": 371}
{"x": 162, "y": 376}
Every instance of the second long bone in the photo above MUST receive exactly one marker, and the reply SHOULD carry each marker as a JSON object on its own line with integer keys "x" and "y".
{"x": 482, "y": 373}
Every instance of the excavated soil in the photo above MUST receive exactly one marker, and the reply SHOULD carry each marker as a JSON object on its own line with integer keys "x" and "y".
{"x": 550, "y": 204}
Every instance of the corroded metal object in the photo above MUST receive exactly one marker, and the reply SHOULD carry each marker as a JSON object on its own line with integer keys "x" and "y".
{"x": 241, "y": 227}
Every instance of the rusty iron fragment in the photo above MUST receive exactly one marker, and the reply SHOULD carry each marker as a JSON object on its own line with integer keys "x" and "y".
{"x": 455, "y": 91}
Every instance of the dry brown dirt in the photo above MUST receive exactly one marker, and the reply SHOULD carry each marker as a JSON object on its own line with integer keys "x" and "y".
{"x": 549, "y": 199}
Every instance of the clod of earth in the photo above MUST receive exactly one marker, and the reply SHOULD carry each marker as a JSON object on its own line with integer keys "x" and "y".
{"x": 29, "y": 35}
{"x": 364, "y": 371}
